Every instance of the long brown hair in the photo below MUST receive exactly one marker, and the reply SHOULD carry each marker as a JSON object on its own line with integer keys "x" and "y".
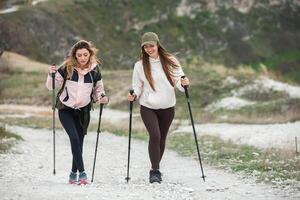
{"x": 167, "y": 61}
{"x": 71, "y": 61}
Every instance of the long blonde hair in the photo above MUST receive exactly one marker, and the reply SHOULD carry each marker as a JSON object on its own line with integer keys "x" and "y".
{"x": 167, "y": 63}
{"x": 71, "y": 61}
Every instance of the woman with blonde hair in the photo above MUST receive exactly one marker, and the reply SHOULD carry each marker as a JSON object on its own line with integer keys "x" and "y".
{"x": 81, "y": 84}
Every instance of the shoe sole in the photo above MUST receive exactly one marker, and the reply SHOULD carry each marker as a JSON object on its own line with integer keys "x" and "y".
{"x": 72, "y": 182}
{"x": 155, "y": 181}
{"x": 83, "y": 182}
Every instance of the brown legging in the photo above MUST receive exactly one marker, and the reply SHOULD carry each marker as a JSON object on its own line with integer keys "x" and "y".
{"x": 157, "y": 123}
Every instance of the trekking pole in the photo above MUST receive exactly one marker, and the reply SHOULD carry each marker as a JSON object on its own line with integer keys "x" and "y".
{"x": 296, "y": 143}
{"x": 53, "y": 118}
{"x": 192, "y": 121}
{"x": 98, "y": 131}
{"x": 129, "y": 136}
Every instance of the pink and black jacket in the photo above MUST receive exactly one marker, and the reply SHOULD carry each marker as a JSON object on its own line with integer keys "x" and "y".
{"x": 79, "y": 89}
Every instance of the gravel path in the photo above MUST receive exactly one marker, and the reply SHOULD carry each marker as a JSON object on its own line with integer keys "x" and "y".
{"x": 27, "y": 173}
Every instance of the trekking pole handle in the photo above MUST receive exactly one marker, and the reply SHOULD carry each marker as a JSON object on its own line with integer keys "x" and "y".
{"x": 101, "y": 104}
{"x": 185, "y": 87}
{"x": 131, "y": 92}
{"x": 53, "y": 78}
{"x": 53, "y": 73}
{"x": 103, "y": 95}
{"x": 183, "y": 77}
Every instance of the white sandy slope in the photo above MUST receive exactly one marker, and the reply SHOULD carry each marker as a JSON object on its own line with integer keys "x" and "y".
{"x": 26, "y": 174}
{"x": 262, "y": 84}
{"x": 16, "y": 7}
{"x": 263, "y": 136}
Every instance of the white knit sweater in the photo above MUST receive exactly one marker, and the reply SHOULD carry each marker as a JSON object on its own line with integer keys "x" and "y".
{"x": 164, "y": 94}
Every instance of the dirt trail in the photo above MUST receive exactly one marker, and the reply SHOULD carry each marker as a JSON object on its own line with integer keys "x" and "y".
{"x": 27, "y": 174}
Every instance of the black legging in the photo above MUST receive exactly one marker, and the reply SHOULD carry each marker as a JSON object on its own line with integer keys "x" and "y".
{"x": 72, "y": 123}
{"x": 157, "y": 123}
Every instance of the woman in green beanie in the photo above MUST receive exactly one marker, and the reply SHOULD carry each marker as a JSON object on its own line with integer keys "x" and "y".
{"x": 155, "y": 77}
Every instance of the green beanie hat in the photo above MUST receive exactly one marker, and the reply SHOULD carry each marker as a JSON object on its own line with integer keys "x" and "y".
{"x": 149, "y": 38}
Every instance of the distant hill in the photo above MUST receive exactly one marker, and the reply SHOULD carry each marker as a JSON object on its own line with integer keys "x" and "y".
{"x": 229, "y": 32}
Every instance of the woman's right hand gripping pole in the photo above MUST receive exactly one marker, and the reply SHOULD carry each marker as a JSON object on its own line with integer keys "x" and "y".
{"x": 131, "y": 96}
{"x": 52, "y": 69}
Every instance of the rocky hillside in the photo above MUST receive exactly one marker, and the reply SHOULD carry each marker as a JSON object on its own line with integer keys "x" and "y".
{"x": 229, "y": 32}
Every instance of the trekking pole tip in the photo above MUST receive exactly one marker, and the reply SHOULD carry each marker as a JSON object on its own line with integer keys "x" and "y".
{"x": 203, "y": 177}
{"x": 127, "y": 179}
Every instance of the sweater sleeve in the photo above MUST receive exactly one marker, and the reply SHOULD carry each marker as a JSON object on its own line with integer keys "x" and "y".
{"x": 137, "y": 83}
{"x": 58, "y": 80}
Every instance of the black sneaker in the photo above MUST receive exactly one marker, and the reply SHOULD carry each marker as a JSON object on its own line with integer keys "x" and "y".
{"x": 155, "y": 176}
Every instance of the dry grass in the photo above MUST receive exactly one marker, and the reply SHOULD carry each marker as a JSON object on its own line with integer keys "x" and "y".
{"x": 19, "y": 62}
{"x": 117, "y": 84}
{"x": 120, "y": 125}
{"x": 7, "y": 139}
{"x": 254, "y": 118}
{"x": 219, "y": 69}
{"x": 244, "y": 70}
